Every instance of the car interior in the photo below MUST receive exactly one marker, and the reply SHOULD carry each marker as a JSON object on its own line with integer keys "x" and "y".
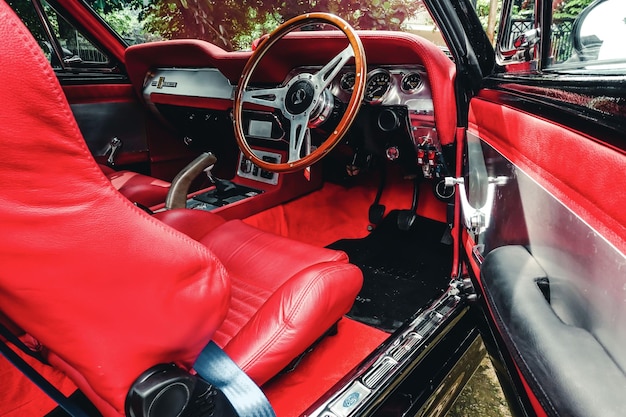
{"x": 327, "y": 222}
{"x": 303, "y": 248}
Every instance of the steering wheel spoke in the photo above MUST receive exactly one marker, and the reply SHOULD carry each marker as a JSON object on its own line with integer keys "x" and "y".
{"x": 299, "y": 134}
{"x": 325, "y": 76}
{"x": 267, "y": 97}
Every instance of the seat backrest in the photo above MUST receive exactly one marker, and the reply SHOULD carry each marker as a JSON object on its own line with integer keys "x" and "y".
{"x": 107, "y": 289}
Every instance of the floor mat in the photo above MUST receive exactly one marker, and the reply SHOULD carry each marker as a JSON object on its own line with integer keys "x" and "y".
{"x": 292, "y": 393}
{"x": 402, "y": 270}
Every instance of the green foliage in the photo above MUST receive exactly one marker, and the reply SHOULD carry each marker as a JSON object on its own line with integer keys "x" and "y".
{"x": 569, "y": 9}
{"x": 482, "y": 10}
{"x": 234, "y": 24}
{"x": 26, "y": 12}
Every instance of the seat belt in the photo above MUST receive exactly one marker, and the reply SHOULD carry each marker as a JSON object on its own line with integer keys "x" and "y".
{"x": 65, "y": 403}
{"x": 213, "y": 365}
{"x": 217, "y": 368}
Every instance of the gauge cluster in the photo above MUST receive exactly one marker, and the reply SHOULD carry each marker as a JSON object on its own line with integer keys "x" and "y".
{"x": 386, "y": 85}
{"x": 389, "y": 86}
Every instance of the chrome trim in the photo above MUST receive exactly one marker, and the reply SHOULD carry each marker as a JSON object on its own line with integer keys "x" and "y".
{"x": 211, "y": 83}
{"x": 415, "y": 89}
{"x": 249, "y": 115}
{"x": 403, "y": 349}
{"x": 253, "y": 172}
{"x": 323, "y": 109}
{"x": 379, "y": 372}
{"x": 190, "y": 82}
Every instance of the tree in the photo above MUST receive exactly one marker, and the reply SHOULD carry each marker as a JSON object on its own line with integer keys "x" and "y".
{"x": 491, "y": 20}
{"x": 233, "y": 24}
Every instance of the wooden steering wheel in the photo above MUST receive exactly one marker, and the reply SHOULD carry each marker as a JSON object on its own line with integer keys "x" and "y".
{"x": 302, "y": 97}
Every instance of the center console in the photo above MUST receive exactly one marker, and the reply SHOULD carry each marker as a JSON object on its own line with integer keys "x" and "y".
{"x": 220, "y": 197}
{"x": 253, "y": 189}
{"x": 228, "y": 192}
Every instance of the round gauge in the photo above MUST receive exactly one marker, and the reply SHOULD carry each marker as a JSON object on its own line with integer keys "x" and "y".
{"x": 347, "y": 81}
{"x": 411, "y": 82}
{"x": 377, "y": 86}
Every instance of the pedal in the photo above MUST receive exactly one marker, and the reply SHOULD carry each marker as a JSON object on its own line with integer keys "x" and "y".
{"x": 406, "y": 219}
{"x": 376, "y": 213}
{"x": 377, "y": 210}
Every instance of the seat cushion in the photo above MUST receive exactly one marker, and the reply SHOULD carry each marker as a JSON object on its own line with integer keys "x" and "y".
{"x": 285, "y": 295}
{"x": 194, "y": 223}
{"x": 138, "y": 188}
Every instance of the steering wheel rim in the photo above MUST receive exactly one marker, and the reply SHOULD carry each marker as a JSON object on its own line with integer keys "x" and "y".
{"x": 317, "y": 81}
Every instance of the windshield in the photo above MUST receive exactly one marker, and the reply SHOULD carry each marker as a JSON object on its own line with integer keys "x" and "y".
{"x": 235, "y": 24}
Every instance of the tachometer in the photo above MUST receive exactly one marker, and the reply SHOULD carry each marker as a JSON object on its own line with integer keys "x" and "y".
{"x": 347, "y": 81}
{"x": 377, "y": 85}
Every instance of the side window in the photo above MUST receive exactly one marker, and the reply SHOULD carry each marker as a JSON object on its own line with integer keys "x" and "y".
{"x": 64, "y": 46}
{"x": 518, "y": 34}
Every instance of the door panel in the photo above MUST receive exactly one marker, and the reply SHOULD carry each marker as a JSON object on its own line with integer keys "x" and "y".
{"x": 565, "y": 363}
{"x": 553, "y": 254}
{"x": 105, "y": 111}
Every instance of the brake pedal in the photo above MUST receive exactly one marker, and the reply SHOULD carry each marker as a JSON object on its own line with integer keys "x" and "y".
{"x": 377, "y": 210}
{"x": 406, "y": 218}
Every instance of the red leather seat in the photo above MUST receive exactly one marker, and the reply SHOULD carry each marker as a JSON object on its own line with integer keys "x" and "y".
{"x": 110, "y": 291}
{"x": 138, "y": 188}
{"x": 294, "y": 290}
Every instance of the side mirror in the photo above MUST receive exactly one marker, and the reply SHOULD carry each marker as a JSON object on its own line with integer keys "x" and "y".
{"x": 599, "y": 31}
{"x": 518, "y": 35}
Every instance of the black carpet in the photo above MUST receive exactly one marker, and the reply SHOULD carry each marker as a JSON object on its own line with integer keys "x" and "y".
{"x": 402, "y": 270}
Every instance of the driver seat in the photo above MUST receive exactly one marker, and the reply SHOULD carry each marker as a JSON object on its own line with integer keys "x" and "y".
{"x": 105, "y": 291}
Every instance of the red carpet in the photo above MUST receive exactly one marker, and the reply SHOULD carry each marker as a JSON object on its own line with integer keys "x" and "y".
{"x": 337, "y": 212}
{"x": 19, "y": 397}
{"x": 292, "y": 393}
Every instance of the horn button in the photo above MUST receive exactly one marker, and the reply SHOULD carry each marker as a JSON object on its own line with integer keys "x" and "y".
{"x": 299, "y": 97}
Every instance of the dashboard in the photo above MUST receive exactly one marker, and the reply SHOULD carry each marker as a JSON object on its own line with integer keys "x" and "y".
{"x": 409, "y": 97}
{"x": 386, "y": 85}
{"x": 389, "y": 87}
{"x": 404, "y": 70}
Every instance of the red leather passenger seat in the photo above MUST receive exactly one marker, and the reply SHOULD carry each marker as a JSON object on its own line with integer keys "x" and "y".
{"x": 138, "y": 188}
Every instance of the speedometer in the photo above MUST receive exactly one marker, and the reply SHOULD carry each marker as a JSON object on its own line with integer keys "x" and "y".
{"x": 377, "y": 85}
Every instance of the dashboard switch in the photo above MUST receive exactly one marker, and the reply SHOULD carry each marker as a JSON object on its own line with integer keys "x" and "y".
{"x": 251, "y": 171}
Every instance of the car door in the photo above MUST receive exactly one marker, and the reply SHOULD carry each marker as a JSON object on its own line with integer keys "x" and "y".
{"x": 88, "y": 60}
{"x": 541, "y": 195}
{"x": 91, "y": 73}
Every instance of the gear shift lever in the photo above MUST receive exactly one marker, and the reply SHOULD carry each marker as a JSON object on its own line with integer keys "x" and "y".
{"x": 177, "y": 195}
{"x": 221, "y": 186}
